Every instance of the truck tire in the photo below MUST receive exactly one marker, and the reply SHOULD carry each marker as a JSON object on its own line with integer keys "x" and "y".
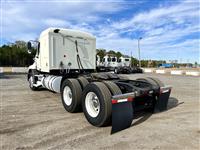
{"x": 31, "y": 80}
{"x": 153, "y": 81}
{"x": 148, "y": 80}
{"x": 96, "y": 104}
{"x": 114, "y": 89}
{"x": 160, "y": 83}
{"x": 83, "y": 82}
{"x": 71, "y": 95}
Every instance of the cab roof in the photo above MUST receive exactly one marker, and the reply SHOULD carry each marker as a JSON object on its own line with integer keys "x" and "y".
{"x": 68, "y": 32}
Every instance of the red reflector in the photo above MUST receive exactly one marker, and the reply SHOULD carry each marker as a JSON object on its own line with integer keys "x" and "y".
{"x": 114, "y": 101}
{"x": 130, "y": 99}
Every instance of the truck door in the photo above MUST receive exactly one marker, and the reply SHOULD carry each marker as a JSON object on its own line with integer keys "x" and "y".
{"x": 37, "y": 57}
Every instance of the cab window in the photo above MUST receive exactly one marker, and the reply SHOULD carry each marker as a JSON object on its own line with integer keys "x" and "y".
{"x": 113, "y": 59}
{"x": 126, "y": 59}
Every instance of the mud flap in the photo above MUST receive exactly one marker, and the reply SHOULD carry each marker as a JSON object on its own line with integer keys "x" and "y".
{"x": 122, "y": 116}
{"x": 162, "y": 101}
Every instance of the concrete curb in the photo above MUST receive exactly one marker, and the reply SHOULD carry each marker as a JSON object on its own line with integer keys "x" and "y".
{"x": 7, "y": 69}
{"x": 13, "y": 69}
{"x": 192, "y": 73}
{"x": 19, "y": 69}
{"x": 172, "y": 72}
{"x": 147, "y": 70}
{"x": 161, "y": 71}
{"x": 177, "y": 72}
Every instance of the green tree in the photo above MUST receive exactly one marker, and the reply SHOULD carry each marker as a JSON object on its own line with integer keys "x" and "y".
{"x": 15, "y": 55}
{"x": 196, "y": 64}
{"x": 101, "y": 53}
{"x": 118, "y": 54}
{"x": 134, "y": 61}
{"x": 112, "y": 52}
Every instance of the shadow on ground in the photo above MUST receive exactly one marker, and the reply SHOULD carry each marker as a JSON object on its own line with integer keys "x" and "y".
{"x": 172, "y": 103}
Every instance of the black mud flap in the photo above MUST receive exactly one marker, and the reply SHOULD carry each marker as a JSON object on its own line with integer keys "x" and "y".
{"x": 162, "y": 101}
{"x": 122, "y": 116}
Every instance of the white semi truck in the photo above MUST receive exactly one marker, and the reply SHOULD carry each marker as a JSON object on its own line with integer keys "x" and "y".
{"x": 118, "y": 65}
{"x": 65, "y": 63}
{"x": 124, "y": 66}
{"x": 124, "y": 61}
{"x": 108, "y": 63}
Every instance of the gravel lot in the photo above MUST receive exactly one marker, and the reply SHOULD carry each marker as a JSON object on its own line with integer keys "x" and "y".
{"x": 37, "y": 120}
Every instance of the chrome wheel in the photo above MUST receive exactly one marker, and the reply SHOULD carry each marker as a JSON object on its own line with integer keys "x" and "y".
{"x": 92, "y": 104}
{"x": 67, "y": 95}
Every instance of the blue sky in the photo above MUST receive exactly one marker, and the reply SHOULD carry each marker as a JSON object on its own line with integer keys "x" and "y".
{"x": 170, "y": 29}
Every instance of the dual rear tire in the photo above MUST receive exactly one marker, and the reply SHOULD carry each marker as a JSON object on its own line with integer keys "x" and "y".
{"x": 94, "y": 97}
{"x": 152, "y": 81}
{"x": 96, "y": 104}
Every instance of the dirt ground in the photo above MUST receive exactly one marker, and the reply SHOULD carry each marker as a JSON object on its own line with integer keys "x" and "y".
{"x": 37, "y": 120}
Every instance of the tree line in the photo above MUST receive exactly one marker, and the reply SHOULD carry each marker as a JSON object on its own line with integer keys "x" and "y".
{"x": 16, "y": 55}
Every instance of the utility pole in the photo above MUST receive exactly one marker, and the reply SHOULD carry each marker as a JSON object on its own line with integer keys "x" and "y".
{"x": 139, "y": 51}
{"x": 131, "y": 59}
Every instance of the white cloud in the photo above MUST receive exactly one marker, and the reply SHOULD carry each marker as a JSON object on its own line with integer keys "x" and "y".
{"x": 162, "y": 15}
{"x": 56, "y": 22}
{"x": 33, "y": 16}
{"x": 167, "y": 30}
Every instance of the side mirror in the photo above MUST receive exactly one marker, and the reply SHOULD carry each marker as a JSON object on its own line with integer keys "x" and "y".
{"x": 29, "y": 47}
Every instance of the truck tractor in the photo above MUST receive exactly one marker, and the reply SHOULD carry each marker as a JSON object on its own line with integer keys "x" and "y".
{"x": 124, "y": 66}
{"x": 65, "y": 63}
{"x": 124, "y": 61}
{"x": 108, "y": 63}
{"x": 100, "y": 67}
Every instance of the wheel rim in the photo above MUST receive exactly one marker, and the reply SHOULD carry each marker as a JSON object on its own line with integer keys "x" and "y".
{"x": 31, "y": 81}
{"x": 67, "y": 95}
{"x": 92, "y": 104}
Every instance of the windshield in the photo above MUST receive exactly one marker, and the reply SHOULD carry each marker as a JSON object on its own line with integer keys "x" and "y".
{"x": 127, "y": 60}
{"x": 113, "y": 59}
{"x": 109, "y": 59}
